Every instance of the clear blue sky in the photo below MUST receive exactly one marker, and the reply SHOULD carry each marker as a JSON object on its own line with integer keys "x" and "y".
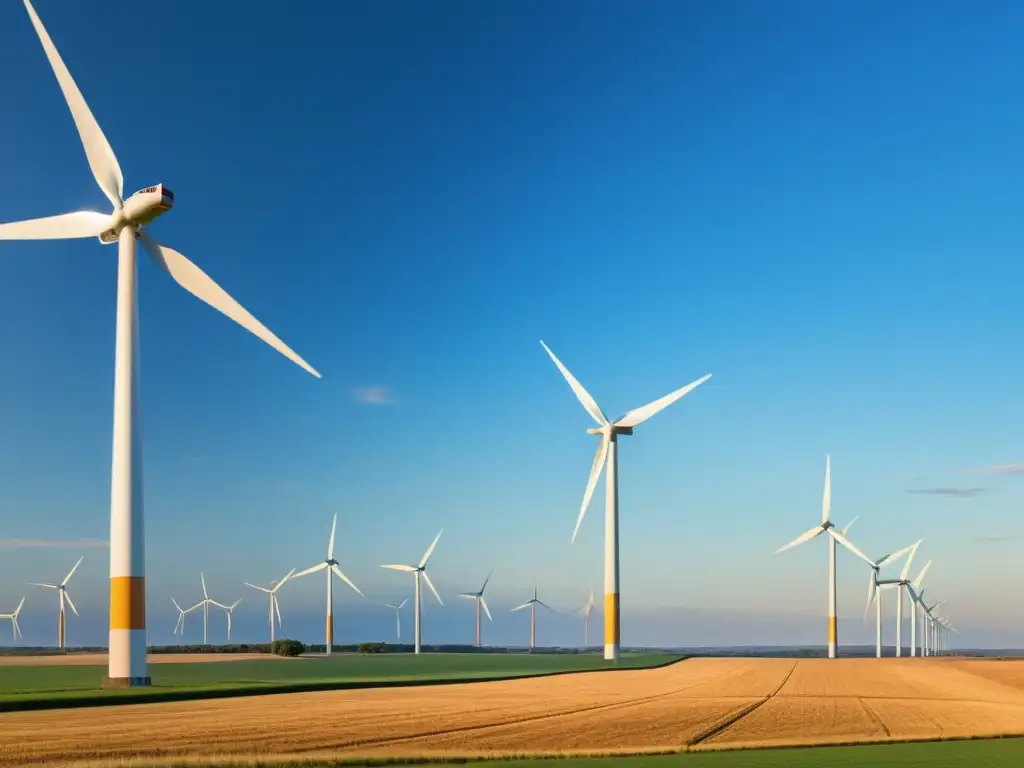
{"x": 819, "y": 203}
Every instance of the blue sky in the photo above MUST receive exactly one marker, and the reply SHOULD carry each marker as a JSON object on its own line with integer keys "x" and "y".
{"x": 817, "y": 203}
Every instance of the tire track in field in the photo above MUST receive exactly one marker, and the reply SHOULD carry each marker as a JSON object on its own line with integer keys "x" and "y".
{"x": 720, "y": 726}
{"x": 874, "y": 716}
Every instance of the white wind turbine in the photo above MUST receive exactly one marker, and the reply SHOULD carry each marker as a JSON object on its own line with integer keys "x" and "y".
{"x": 586, "y": 611}
{"x": 330, "y": 565}
{"x": 124, "y": 226}
{"x": 272, "y": 597}
{"x": 913, "y": 590}
{"x": 229, "y": 610}
{"x": 874, "y": 586}
{"x": 205, "y": 604}
{"x": 62, "y": 590}
{"x": 480, "y": 601}
{"x": 899, "y": 584}
{"x": 607, "y": 453}
{"x": 15, "y": 626}
{"x": 930, "y": 624}
{"x": 398, "y": 618}
{"x": 179, "y": 627}
{"x": 418, "y": 571}
{"x": 826, "y": 526}
{"x": 532, "y": 604}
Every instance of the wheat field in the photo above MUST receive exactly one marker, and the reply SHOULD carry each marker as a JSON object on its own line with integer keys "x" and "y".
{"x": 699, "y": 704}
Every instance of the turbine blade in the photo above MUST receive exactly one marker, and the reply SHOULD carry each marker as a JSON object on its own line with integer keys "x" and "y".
{"x": 485, "y": 582}
{"x": 18, "y": 609}
{"x": 277, "y": 608}
{"x": 66, "y": 226}
{"x": 871, "y": 594}
{"x": 401, "y": 605}
{"x": 312, "y": 569}
{"x": 286, "y": 577}
{"x": 343, "y": 577}
{"x": 640, "y": 415}
{"x": 541, "y": 602}
{"x": 910, "y": 558}
{"x": 483, "y": 603}
{"x": 469, "y": 595}
{"x": 175, "y": 603}
{"x": 595, "y": 475}
{"x": 849, "y": 545}
{"x": 199, "y": 284}
{"x": 920, "y": 577}
{"x": 849, "y": 525}
{"x": 826, "y": 496}
{"x": 430, "y": 549}
{"x": 236, "y": 603}
{"x": 101, "y": 157}
{"x": 330, "y": 543}
{"x": 581, "y": 394}
{"x": 261, "y": 589}
{"x": 202, "y": 578}
{"x": 72, "y": 571}
{"x": 520, "y": 607}
{"x": 807, "y": 536}
{"x": 405, "y": 568}
{"x": 68, "y": 598}
{"x": 431, "y": 585}
{"x": 48, "y": 586}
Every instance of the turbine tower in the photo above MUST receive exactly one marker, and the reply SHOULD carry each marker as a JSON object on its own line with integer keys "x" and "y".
{"x": 826, "y": 526}
{"x": 124, "y": 226}
{"x": 62, "y": 591}
{"x": 607, "y": 453}
{"x": 15, "y": 626}
{"x": 398, "y": 618}
{"x": 205, "y": 604}
{"x": 330, "y": 565}
{"x": 272, "y": 597}
{"x": 899, "y": 584}
{"x": 479, "y": 598}
{"x": 586, "y": 611}
{"x": 874, "y": 586}
{"x": 532, "y": 604}
{"x": 420, "y": 570}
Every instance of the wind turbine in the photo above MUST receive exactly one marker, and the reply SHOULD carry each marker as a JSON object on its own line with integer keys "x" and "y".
{"x": 826, "y": 526}
{"x": 915, "y": 603}
{"x": 15, "y": 627}
{"x": 607, "y": 453}
{"x": 420, "y": 570}
{"x": 532, "y": 604}
{"x": 205, "y": 603}
{"x": 272, "y": 597}
{"x": 228, "y": 609}
{"x": 62, "y": 590}
{"x": 179, "y": 627}
{"x": 479, "y": 598}
{"x": 398, "y": 618}
{"x": 124, "y": 226}
{"x": 331, "y": 566}
{"x": 586, "y": 610}
{"x": 875, "y": 586}
{"x": 931, "y": 633}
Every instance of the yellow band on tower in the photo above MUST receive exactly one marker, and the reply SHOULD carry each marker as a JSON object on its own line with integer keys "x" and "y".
{"x": 330, "y": 630}
{"x": 831, "y": 630}
{"x": 611, "y": 619}
{"x": 127, "y": 602}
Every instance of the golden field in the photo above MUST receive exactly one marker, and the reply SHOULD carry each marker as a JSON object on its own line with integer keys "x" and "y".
{"x": 699, "y": 704}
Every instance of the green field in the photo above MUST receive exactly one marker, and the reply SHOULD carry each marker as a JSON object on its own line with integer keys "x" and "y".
{"x": 992, "y": 753}
{"x": 51, "y": 686}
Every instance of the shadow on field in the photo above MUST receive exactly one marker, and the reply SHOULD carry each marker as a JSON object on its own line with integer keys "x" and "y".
{"x": 155, "y": 695}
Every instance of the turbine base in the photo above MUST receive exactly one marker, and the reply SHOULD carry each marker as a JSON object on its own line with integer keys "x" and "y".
{"x": 125, "y": 682}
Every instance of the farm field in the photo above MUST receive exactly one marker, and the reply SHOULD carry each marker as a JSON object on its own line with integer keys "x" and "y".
{"x": 698, "y": 705}
{"x": 52, "y": 681}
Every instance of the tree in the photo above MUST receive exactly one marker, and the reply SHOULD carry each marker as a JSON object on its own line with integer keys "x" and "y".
{"x": 287, "y": 648}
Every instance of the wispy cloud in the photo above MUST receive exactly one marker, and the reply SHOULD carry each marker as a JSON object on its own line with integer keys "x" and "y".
{"x": 373, "y": 395}
{"x": 52, "y": 543}
{"x": 1016, "y": 468}
{"x": 982, "y": 539}
{"x": 952, "y": 493}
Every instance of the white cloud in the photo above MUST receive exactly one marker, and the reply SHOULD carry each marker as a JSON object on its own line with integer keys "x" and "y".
{"x": 373, "y": 395}
{"x": 1016, "y": 468}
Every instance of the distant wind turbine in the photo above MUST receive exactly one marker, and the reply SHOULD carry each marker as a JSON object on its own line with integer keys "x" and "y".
{"x": 15, "y": 627}
{"x": 272, "y": 597}
{"x": 607, "y": 453}
{"x": 586, "y": 610}
{"x": 398, "y": 618}
{"x": 532, "y": 604}
{"x": 228, "y": 610}
{"x": 826, "y": 526}
{"x": 480, "y": 602}
{"x": 418, "y": 571}
{"x": 330, "y": 565}
{"x": 62, "y": 590}
{"x": 874, "y": 585}
{"x": 179, "y": 627}
{"x": 899, "y": 584}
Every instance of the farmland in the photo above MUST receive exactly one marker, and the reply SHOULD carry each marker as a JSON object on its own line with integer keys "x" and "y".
{"x": 47, "y": 681}
{"x": 698, "y": 705}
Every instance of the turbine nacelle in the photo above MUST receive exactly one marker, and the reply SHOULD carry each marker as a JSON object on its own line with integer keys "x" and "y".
{"x": 610, "y": 430}
{"x": 140, "y": 209}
